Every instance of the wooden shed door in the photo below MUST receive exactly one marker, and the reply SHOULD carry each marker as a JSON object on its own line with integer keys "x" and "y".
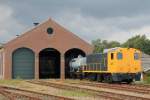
{"x": 23, "y": 64}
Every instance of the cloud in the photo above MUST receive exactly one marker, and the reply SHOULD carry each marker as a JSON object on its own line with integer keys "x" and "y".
{"x": 115, "y": 28}
{"x": 89, "y": 19}
{"x": 9, "y": 26}
{"x": 144, "y": 30}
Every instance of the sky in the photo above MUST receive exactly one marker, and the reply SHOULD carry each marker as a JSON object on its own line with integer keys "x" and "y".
{"x": 110, "y": 20}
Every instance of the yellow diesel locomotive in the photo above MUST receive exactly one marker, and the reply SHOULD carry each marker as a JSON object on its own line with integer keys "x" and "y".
{"x": 113, "y": 65}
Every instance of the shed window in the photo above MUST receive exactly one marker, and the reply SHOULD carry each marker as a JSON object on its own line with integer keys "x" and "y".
{"x": 112, "y": 56}
{"x": 49, "y": 30}
{"x": 119, "y": 56}
{"x": 136, "y": 56}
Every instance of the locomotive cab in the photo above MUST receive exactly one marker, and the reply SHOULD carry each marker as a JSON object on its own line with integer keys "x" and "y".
{"x": 124, "y": 64}
{"x": 124, "y": 60}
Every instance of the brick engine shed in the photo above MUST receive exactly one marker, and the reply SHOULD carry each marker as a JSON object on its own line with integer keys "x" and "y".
{"x": 41, "y": 53}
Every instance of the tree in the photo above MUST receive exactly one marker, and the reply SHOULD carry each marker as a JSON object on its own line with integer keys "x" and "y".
{"x": 100, "y": 45}
{"x": 138, "y": 42}
{"x": 113, "y": 44}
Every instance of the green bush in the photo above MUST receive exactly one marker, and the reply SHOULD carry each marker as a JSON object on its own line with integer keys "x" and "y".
{"x": 148, "y": 74}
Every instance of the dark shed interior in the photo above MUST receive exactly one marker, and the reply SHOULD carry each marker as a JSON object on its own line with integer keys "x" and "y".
{"x": 49, "y": 63}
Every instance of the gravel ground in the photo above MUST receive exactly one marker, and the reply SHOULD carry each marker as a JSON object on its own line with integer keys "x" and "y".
{"x": 68, "y": 82}
{"x": 79, "y": 95}
{"x": 3, "y": 97}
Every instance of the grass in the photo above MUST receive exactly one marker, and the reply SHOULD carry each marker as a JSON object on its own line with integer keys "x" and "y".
{"x": 147, "y": 80}
{"x": 11, "y": 82}
{"x": 2, "y": 97}
{"x": 75, "y": 93}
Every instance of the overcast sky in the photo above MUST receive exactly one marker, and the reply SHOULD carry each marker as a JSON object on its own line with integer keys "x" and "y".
{"x": 90, "y": 19}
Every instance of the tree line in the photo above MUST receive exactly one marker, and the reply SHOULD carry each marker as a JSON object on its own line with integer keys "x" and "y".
{"x": 140, "y": 42}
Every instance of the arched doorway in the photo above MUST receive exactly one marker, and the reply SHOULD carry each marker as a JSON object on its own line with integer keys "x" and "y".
{"x": 23, "y": 63}
{"x": 49, "y": 63}
{"x": 70, "y": 54}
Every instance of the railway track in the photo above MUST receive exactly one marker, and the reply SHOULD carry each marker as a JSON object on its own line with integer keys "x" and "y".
{"x": 132, "y": 88}
{"x": 16, "y": 93}
{"x": 101, "y": 93}
{"x": 142, "y": 85}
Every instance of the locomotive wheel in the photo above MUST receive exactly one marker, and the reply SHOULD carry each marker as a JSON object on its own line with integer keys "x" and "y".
{"x": 92, "y": 77}
{"x": 129, "y": 81}
{"x": 108, "y": 78}
{"x": 100, "y": 78}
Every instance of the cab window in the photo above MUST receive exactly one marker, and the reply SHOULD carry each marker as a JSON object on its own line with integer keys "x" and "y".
{"x": 136, "y": 56}
{"x": 112, "y": 56}
{"x": 119, "y": 56}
